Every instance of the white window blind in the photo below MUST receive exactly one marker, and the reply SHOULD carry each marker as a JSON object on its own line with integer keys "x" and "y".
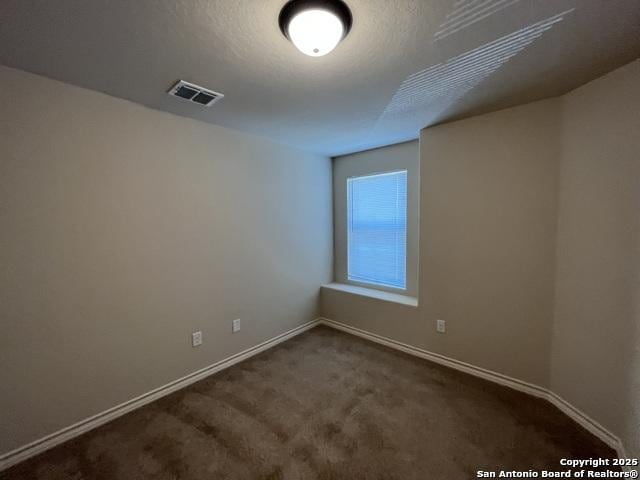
{"x": 377, "y": 229}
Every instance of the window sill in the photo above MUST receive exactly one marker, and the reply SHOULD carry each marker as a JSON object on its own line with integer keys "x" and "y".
{"x": 371, "y": 293}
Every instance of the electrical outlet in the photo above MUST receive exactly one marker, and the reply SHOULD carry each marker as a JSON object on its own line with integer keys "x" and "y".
{"x": 441, "y": 326}
{"x": 196, "y": 339}
{"x": 235, "y": 326}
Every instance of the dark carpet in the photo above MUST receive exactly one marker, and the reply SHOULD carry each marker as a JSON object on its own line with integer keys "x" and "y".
{"x": 324, "y": 405}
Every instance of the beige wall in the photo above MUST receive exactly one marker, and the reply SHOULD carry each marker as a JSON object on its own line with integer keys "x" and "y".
{"x": 403, "y": 156}
{"x": 124, "y": 229}
{"x": 596, "y": 336}
{"x": 530, "y": 249}
{"x": 487, "y": 245}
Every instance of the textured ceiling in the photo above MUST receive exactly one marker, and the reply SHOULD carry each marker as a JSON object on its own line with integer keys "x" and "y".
{"x": 406, "y": 63}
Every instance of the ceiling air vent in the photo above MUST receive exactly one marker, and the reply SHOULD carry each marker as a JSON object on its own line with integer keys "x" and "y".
{"x": 194, "y": 93}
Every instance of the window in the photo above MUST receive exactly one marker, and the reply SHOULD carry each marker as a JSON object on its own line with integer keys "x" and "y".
{"x": 377, "y": 229}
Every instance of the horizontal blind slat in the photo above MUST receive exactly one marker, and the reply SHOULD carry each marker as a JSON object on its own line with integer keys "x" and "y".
{"x": 377, "y": 229}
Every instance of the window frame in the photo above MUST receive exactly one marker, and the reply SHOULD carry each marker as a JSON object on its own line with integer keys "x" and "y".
{"x": 399, "y": 156}
{"x": 377, "y": 285}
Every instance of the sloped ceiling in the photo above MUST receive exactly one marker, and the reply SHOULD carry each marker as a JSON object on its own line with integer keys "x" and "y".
{"x": 405, "y": 65}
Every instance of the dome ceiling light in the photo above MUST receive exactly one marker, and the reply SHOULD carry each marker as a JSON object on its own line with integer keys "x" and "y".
{"x": 315, "y": 27}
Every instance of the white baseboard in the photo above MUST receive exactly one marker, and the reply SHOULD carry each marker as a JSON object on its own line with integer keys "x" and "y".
{"x": 572, "y": 412}
{"x": 34, "y": 448}
{"x": 624, "y": 453}
{"x": 441, "y": 359}
{"x": 586, "y": 422}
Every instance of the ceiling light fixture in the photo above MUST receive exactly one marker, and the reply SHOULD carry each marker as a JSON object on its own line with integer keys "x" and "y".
{"x": 315, "y": 27}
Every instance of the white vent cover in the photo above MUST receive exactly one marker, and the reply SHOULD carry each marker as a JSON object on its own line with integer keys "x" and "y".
{"x": 194, "y": 93}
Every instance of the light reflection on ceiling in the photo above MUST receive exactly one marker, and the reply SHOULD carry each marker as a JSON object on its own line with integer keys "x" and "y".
{"x": 426, "y": 94}
{"x": 468, "y": 12}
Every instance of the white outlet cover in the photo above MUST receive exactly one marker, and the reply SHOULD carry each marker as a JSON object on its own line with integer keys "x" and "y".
{"x": 441, "y": 326}
{"x": 236, "y": 325}
{"x": 196, "y": 339}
